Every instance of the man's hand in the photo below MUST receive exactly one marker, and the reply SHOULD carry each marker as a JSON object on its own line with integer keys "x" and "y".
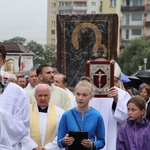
{"x": 113, "y": 92}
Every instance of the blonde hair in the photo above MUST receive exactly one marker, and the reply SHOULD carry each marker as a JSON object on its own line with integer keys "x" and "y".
{"x": 85, "y": 84}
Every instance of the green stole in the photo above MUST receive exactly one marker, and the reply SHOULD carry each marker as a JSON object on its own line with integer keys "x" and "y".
{"x": 35, "y": 125}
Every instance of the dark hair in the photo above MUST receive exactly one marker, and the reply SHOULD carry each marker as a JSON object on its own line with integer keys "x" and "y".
{"x": 130, "y": 88}
{"x": 40, "y": 68}
{"x": 146, "y": 87}
{"x": 20, "y": 77}
{"x": 138, "y": 101}
{"x": 3, "y": 50}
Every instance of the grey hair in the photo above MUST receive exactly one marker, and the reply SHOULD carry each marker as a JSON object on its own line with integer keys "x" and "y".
{"x": 41, "y": 85}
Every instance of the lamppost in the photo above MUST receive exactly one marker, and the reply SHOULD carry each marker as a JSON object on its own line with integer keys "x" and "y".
{"x": 140, "y": 68}
{"x": 145, "y": 62}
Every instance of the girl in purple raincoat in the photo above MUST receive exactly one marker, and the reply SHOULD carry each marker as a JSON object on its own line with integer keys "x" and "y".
{"x": 135, "y": 133}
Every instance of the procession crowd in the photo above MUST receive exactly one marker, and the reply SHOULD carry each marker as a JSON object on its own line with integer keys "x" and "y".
{"x": 41, "y": 113}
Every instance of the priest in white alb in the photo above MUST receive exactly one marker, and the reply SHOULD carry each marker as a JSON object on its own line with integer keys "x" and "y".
{"x": 113, "y": 109}
{"x": 44, "y": 118}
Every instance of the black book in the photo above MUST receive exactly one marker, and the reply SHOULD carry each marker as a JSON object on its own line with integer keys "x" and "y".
{"x": 78, "y": 136}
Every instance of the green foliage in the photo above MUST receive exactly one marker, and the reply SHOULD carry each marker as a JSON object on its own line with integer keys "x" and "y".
{"x": 132, "y": 57}
{"x": 43, "y": 54}
{"x": 19, "y": 40}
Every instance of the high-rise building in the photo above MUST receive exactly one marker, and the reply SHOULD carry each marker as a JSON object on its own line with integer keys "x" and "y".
{"x": 135, "y": 20}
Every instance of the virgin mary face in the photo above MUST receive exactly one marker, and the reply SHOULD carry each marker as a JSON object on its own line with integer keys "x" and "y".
{"x": 10, "y": 64}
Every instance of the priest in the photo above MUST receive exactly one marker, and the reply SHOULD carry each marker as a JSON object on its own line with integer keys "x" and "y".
{"x": 14, "y": 113}
{"x": 44, "y": 118}
{"x": 112, "y": 108}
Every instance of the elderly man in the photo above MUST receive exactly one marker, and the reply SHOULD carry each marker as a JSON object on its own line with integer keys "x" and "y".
{"x": 59, "y": 97}
{"x": 14, "y": 101}
{"x": 60, "y": 80}
{"x": 44, "y": 118}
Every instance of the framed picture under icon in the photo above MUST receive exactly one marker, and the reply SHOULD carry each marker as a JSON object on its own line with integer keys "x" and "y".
{"x": 101, "y": 74}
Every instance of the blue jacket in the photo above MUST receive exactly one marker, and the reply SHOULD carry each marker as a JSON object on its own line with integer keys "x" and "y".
{"x": 91, "y": 123}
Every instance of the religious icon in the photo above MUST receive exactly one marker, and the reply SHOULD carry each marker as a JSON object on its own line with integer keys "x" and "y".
{"x": 84, "y": 37}
{"x": 101, "y": 74}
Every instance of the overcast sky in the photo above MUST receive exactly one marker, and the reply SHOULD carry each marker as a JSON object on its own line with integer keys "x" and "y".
{"x": 23, "y": 18}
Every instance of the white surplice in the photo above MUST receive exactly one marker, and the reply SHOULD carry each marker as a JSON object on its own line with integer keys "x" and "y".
{"x": 43, "y": 120}
{"x": 112, "y": 119}
{"x": 14, "y": 101}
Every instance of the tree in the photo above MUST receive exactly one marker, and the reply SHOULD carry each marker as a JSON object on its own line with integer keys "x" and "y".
{"x": 50, "y": 54}
{"x": 42, "y": 54}
{"x": 19, "y": 40}
{"x": 132, "y": 56}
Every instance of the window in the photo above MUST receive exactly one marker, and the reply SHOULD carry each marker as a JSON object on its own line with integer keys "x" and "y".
{"x": 93, "y": 12}
{"x": 52, "y": 41}
{"x": 137, "y": 2}
{"x": 52, "y": 31}
{"x": 65, "y": 4}
{"x": 136, "y": 32}
{"x": 136, "y": 17}
{"x": 54, "y": 14}
{"x": 93, "y": 3}
{"x": 128, "y": 2}
{"x": 53, "y": 4}
{"x": 127, "y": 33}
{"x": 127, "y": 19}
{"x": 112, "y": 2}
{"x": 53, "y": 23}
{"x": 80, "y": 4}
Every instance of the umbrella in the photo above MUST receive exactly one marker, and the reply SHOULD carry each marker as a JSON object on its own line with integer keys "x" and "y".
{"x": 135, "y": 82}
{"x": 124, "y": 78}
{"x": 144, "y": 75}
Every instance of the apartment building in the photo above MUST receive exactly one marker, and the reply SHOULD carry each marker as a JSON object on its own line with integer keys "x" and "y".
{"x": 135, "y": 20}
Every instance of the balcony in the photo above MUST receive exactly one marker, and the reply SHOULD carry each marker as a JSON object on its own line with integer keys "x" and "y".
{"x": 132, "y": 8}
{"x": 64, "y": 8}
{"x": 79, "y": 8}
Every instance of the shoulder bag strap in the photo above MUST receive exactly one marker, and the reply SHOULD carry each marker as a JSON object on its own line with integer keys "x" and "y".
{"x": 76, "y": 120}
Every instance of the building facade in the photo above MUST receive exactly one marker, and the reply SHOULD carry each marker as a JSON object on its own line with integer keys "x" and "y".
{"x": 135, "y": 20}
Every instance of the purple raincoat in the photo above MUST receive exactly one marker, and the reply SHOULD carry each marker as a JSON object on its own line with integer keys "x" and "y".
{"x": 134, "y": 136}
